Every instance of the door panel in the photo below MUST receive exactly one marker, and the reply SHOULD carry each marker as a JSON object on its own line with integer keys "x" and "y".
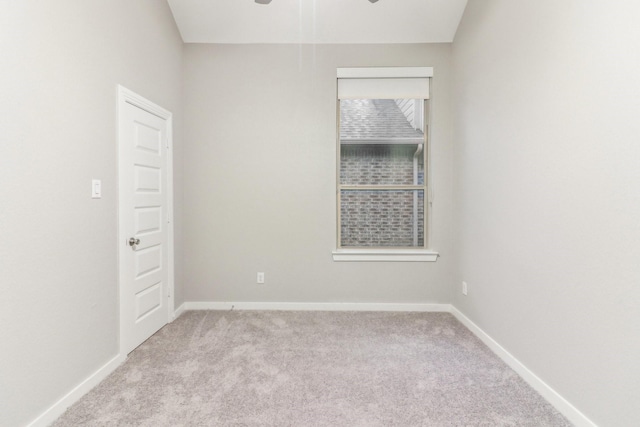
{"x": 148, "y": 261}
{"x": 148, "y": 301}
{"x": 147, "y": 179}
{"x": 147, "y": 220}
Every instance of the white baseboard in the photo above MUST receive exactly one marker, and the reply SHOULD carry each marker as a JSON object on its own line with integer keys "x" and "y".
{"x": 178, "y": 311}
{"x": 553, "y": 397}
{"x": 315, "y": 306}
{"x": 58, "y": 408}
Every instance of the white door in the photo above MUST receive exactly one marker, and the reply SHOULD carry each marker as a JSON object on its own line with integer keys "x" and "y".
{"x": 144, "y": 224}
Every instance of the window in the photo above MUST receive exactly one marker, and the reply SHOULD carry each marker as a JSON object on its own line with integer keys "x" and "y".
{"x": 382, "y": 164}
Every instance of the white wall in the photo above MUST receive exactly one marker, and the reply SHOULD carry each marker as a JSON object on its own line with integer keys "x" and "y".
{"x": 60, "y": 65}
{"x": 547, "y": 166}
{"x": 260, "y": 150}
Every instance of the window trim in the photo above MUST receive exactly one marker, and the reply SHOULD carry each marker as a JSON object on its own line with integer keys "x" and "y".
{"x": 385, "y": 255}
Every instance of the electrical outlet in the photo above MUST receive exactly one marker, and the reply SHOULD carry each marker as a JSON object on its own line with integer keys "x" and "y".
{"x": 464, "y": 288}
{"x": 260, "y": 278}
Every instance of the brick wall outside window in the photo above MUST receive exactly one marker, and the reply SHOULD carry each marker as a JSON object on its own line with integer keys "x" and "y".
{"x": 379, "y": 218}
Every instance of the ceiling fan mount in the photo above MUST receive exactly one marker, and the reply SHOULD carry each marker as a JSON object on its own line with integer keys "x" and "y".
{"x": 269, "y": 1}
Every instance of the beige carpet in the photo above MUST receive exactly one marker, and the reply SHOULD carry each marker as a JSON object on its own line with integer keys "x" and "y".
{"x": 247, "y": 368}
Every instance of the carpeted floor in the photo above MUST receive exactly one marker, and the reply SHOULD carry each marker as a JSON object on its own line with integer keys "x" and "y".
{"x": 251, "y": 368}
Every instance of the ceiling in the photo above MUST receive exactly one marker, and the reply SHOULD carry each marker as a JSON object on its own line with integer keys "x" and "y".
{"x": 317, "y": 21}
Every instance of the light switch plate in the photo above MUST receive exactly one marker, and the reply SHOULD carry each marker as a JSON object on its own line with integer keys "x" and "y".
{"x": 96, "y": 189}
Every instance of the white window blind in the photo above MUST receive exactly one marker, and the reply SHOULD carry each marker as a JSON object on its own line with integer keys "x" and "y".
{"x": 384, "y": 83}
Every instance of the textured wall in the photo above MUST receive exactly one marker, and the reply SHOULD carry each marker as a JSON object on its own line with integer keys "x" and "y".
{"x": 547, "y": 97}
{"x": 260, "y": 189}
{"x": 60, "y": 65}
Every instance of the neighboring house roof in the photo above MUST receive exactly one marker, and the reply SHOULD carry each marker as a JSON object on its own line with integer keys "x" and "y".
{"x": 374, "y": 119}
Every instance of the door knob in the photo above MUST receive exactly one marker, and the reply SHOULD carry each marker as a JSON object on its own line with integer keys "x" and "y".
{"x": 133, "y": 241}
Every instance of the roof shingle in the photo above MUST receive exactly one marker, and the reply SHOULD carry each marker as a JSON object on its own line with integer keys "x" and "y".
{"x": 374, "y": 119}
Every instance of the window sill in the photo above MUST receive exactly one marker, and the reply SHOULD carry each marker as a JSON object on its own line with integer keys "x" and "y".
{"x": 385, "y": 255}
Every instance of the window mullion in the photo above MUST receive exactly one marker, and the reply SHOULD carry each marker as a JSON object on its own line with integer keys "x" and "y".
{"x": 381, "y": 187}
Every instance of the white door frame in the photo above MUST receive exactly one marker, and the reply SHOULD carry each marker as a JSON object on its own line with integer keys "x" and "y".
{"x": 126, "y": 96}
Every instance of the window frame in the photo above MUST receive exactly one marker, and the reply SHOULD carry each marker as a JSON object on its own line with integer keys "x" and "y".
{"x": 396, "y": 253}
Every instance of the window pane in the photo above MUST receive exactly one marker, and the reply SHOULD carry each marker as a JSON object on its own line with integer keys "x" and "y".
{"x": 381, "y": 142}
{"x": 381, "y": 164}
{"x": 382, "y": 218}
{"x": 375, "y": 119}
